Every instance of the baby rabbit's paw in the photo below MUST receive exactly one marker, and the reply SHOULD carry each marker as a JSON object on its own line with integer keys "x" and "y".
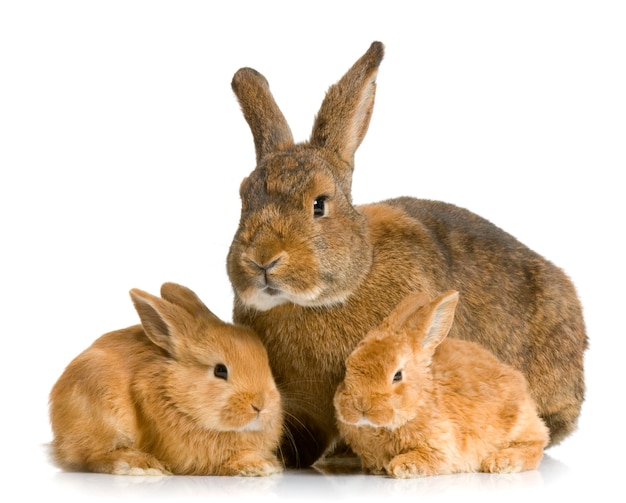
{"x": 252, "y": 465}
{"x": 131, "y": 462}
{"x": 408, "y": 466}
{"x": 513, "y": 459}
{"x": 500, "y": 464}
{"x": 154, "y": 472}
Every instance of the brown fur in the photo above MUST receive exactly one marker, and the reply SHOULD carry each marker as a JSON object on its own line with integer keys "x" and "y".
{"x": 145, "y": 400}
{"x": 335, "y": 275}
{"x": 455, "y": 408}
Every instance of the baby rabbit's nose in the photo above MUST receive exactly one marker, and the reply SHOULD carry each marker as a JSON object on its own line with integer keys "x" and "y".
{"x": 362, "y": 405}
{"x": 258, "y": 404}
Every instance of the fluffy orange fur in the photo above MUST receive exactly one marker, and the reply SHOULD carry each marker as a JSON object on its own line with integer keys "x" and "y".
{"x": 146, "y": 400}
{"x": 312, "y": 273}
{"x": 414, "y": 403}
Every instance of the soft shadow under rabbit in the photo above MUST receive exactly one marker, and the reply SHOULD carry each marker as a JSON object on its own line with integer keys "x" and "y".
{"x": 182, "y": 393}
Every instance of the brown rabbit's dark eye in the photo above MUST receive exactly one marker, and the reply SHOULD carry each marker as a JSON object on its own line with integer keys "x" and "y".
{"x": 221, "y": 371}
{"x": 397, "y": 377}
{"x": 319, "y": 206}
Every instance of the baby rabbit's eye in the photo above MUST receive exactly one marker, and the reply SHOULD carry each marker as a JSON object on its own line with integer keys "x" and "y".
{"x": 319, "y": 206}
{"x": 397, "y": 377}
{"x": 221, "y": 371}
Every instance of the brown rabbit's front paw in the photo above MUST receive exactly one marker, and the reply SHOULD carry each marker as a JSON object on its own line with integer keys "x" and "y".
{"x": 252, "y": 465}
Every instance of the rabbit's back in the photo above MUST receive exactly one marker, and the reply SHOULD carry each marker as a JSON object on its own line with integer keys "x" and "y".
{"x": 475, "y": 388}
{"x": 92, "y": 407}
{"x": 489, "y": 404}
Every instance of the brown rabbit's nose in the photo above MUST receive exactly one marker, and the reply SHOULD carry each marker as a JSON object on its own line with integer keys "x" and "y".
{"x": 269, "y": 266}
{"x": 265, "y": 267}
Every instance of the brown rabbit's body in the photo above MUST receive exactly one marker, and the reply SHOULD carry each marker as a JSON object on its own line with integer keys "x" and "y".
{"x": 312, "y": 273}
{"x": 136, "y": 402}
{"x": 416, "y": 404}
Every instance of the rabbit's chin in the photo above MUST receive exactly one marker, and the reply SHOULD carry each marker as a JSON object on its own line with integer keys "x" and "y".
{"x": 267, "y": 298}
{"x": 365, "y": 422}
{"x": 253, "y": 425}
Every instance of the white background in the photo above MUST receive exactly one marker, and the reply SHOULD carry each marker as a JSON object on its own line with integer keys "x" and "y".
{"x": 122, "y": 148}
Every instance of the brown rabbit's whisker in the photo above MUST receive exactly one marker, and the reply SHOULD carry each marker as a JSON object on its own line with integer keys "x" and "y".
{"x": 295, "y": 421}
{"x": 291, "y": 419}
{"x": 289, "y": 439}
{"x": 301, "y": 381}
{"x": 298, "y": 396}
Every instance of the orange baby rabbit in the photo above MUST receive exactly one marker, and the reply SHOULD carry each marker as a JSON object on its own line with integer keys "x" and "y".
{"x": 415, "y": 403}
{"x": 312, "y": 272}
{"x": 182, "y": 393}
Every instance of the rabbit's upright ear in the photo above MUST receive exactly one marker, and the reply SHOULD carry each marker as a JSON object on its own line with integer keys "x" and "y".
{"x": 437, "y": 320}
{"x": 427, "y": 322}
{"x": 159, "y": 318}
{"x": 405, "y": 312}
{"x": 187, "y": 299}
{"x": 344, "y": 116}
{"x": 267, "y": 123}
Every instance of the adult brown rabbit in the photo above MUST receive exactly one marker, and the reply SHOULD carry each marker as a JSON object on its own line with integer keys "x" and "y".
{"x": 312, "y": 273}
{"x": 414, "y": 403}
{"x": 182, "y": 393}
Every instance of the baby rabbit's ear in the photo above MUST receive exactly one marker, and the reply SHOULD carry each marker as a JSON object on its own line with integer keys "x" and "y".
{"x": 438, "y": 318}
{"x": 187, "y": 299}
{"x": 404, "y": 314}
{"x": 160, "y": 318}
{"x": 344, "y": 116}
{"x": 267, "y": 123}
{"x": 428, "y": 322}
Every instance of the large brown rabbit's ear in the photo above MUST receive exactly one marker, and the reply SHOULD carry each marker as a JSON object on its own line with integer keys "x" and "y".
{"x": 437, "y": 320}
{"x": 187, "y": 299}
{"x": 344, "y": 117}
{"x": 159, "y": 318}
{"x": 267, "y": 123}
